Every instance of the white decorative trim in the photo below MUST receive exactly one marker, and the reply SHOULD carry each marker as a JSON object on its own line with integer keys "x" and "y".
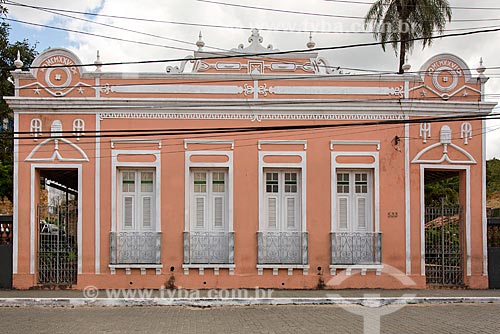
{"x": 467, "y": 214}
{"x": 254, "y": 116}
{"x": 142, "y": 267}
{"x": 56, "y": 154}
{"x": 303, "y": 182}
{"x": 484, "y": 224}
{"x": 115, "y": 164}
{"x": 355, "y": 142}
{"x": 230, "y": 187}
{"x": 33, "y": 222}
{"x": 445, "y": 156}
{"x": 376, "y": 183}
{"x": 216, "y": 267}
{"x": 466, "y": 132}
{"x": 15, "y": 222}
{"x": 425, "y": 131}
{"x": 288, "y": 267}
{"x": 187, "y": 142}
{"x": 97, "y": 196}
{"x": 335, "y": 90}
{"x": 135, "y": 141}
{"x": 57, "y": 93}
{"x": 407, "y": 200}
{"x": 282, "y": 142}
{"x": 362, "y": 267}
{"x": 173, "y": 89}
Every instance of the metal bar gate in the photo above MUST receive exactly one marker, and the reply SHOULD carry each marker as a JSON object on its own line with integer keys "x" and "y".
{"x": 57, "y": 246}
{"x": 444, "y": 246}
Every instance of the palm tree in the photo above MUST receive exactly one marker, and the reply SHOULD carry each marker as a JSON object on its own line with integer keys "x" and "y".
{"x": 401, "y": 21}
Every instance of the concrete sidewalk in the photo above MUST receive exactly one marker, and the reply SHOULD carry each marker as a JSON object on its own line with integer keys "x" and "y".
{"x": 241, "y": 297}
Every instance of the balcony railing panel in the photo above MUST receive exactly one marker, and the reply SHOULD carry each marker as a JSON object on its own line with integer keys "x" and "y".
{"x": 356, "y": 248}
{"x": 282, "y": 247}
{"x": 208, "y": 247}
{"x": 135, "y": 247}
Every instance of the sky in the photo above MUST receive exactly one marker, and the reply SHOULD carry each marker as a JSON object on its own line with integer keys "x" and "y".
{"x": 178, "y": 40}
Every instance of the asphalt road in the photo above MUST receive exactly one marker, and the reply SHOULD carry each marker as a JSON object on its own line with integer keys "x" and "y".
{"x": 457, "y": 318}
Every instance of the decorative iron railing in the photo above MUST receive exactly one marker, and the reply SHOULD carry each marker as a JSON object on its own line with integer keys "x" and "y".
{"x": 57, "y": 251}
{"x": 208, "y": 247}
{"x": 282, "y": 247}
{"x": 356, "y": 248}
{"x": 135, "y": 247}
{"x": 5, "y": 233}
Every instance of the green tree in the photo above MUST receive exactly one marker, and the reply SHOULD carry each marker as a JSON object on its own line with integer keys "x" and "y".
{"x": 493, "y": 176}
{"x": 8, "y": 53}
{"x": 404, "y": 20}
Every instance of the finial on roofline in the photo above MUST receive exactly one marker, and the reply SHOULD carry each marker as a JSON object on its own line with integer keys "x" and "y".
{"x": 18, "y": 63}
{"x": 200, "y": 44}
{"x": 311, "y": 44}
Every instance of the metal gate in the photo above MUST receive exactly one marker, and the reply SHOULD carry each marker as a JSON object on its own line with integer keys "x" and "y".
{"x": 444, "y": 246}
{"x": 6, "y": 252}
{"x": 57, "y": 246}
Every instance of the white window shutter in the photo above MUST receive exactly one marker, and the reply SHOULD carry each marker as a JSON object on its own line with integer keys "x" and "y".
{"x": 200, "y": 211}
{"x": 272, "y": 211}
{"x": 290, "y": 212}
{"x": 218, "y": 212}
{"x": 361, "y": 212}
{"x": 128, "y": 212}
{"x": 343, "y": 211}
{"x": 146, "y": 212}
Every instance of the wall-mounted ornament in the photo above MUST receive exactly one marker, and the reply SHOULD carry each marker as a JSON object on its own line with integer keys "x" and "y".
{"x": 425, "y": 131}
{"x": 78, "y": 128}
{"x": 466, "y": 132}
{"x": 36, "y": 128}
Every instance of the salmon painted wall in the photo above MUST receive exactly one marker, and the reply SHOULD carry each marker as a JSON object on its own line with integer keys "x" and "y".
{"x": 111, "y": 102}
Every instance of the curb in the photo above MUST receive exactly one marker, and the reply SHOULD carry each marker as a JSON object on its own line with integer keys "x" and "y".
{"x": 219, "y": 302}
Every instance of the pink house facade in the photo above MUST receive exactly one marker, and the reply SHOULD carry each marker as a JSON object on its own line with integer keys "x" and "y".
{"x": 272, "y": 170}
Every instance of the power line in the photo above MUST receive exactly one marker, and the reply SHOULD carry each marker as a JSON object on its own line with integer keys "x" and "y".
{"x": 97, "y": 35}
{"x": 318, "y": 14}
{"x": 217, "y": 26}
{"x": 177, "y": 132}
{"x": 275, "y": 53}
{"x": 452, "y": 7}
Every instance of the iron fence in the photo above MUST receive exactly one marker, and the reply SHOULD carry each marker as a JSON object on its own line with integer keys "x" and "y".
{"x": 57, "y": 245}
{"x": 443, "y": 245}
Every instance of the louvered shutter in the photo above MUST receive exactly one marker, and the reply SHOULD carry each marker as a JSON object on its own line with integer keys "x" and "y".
{"x": 200, "y": 212}
{"x": 146, "y": 211}
{"x": 361, "y": 213}
{"x": 128, "y": 212}
{"x": 343, "y": 213}
{"x": 290, "y": 213}
{"x": 272, "y": 212}
{"x": 218, "y": 212}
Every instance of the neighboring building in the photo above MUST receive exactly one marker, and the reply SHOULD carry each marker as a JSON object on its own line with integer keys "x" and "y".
{"x": 276, "y": 171}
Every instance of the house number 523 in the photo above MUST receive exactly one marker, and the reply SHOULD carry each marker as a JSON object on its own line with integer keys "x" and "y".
{"x": 392, "y": 214}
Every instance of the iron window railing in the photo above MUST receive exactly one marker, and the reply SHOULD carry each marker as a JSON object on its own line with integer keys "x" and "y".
{"x": 351, "y": 248}
{"x": 208, "y": 248}
{"x": 135, "y": 247}
{"x": 282, "y": 248}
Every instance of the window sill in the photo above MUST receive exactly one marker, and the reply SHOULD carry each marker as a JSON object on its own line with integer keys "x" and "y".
{"x": 128, "y": 268}
{"x": 350, "y": 267}
{"x": 289, "y": 267}
{"x": 201, "y": 268}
